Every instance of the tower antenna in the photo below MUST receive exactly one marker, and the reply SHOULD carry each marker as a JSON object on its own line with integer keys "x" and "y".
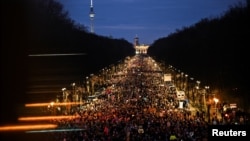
{"x": 91, "y": 15}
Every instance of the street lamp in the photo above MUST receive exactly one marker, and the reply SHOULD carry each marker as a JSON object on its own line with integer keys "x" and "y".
{"x": 87, "y": 84}
{"x": 51, "y": 107}
{"x": 198, "y": 83}
{"x": 186, "y": 81}
{"x": 197, "y": 95}
{"x": 182, "y": 80}
{"x": 74, "y": 91}
{"x": 64, "y": 95}
{"x": 197, "y": 91}
{"x": 207, "y": 91}
{"x": 192, "y": 88}
{"x": 216, "y": 100}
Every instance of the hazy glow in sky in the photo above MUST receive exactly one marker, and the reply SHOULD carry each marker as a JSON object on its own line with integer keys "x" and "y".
{"x": 148, "y": 19}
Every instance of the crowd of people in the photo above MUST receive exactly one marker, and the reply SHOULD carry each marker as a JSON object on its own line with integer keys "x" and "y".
{"x": 138, "y": 109}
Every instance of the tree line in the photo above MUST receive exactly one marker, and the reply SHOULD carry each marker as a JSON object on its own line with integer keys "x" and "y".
{"x": 44, "y": 27}
{"x": 214, "y": 50}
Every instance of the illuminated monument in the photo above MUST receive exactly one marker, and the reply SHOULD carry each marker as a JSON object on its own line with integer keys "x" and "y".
{"x": 91, "y": 15}
{"x": 140, "y": 49}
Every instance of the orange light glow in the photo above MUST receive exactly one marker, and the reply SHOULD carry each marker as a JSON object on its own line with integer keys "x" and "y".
{"x": 52, "y": 103}
{"x": 39, "y": 118}
{"x": 27, "y": 127}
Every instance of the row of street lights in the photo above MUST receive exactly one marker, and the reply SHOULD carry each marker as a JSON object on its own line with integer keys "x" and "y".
{"x": 199, "y": 96}
{"x": 180, "y": 79}
{"x": 88, "y": 87}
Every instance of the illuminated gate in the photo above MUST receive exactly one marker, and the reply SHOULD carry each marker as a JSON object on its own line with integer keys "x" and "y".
{"x": 141, "y": 49}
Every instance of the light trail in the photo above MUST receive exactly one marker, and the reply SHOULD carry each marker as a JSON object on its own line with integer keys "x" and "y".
{"x": 58, "y": 54}
{"x": 54, "y": 130}
{"x": 27, "y": 127}
{"x": 52, "y": 104}
{"x": 40, "y": 118}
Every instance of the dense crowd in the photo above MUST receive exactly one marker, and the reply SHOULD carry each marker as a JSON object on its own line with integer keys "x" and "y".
{"x": 138, "y": 109}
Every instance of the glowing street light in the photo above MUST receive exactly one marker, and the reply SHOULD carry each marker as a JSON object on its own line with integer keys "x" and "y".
{"x": 64, "y": 95}
{"x": 74, "y": 91}
{"x": 87, "y": 84}
{"x": 216, "y": 100}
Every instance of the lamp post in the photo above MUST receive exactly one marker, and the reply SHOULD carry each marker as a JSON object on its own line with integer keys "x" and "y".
{"x": 182, "y": 80}
{"x": 207, "y": 91}
{"x": 197, "y": 91}
{"x": 87, "y": 84}
{"x": 51, "y": 108}
{"x": 197, "y": 96}
{"x": 186, "y": 82}
{"x": 64, "y": 95}
{"x": 178, "y": 80}
{"x": 192, "y": 88}
{"x": 73, "y": 92}
{"x": 198, "y": 83}
{"x": 216, "y": 100}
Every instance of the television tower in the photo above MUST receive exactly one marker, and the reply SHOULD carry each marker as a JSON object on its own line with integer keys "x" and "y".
{"x": 91, "y": 15}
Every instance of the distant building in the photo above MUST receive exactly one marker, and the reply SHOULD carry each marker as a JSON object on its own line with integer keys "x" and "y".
{"x": 91, "y": 15}
{"x": 136, "y": 41}
{"x": 140, "y": 48}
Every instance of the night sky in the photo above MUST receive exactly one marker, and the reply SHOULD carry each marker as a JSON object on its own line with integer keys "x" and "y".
{"x": 147, "y": 19}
